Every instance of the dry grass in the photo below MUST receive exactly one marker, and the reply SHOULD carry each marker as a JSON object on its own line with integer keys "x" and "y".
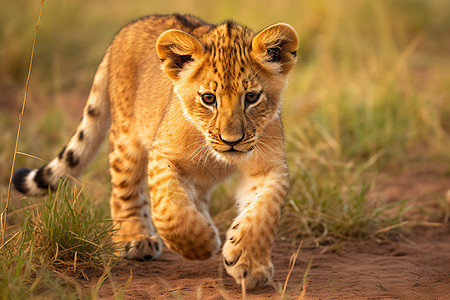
{"x": 55, "y": 239}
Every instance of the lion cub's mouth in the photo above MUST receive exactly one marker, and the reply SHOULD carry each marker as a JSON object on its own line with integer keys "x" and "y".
{"x": 242, "y": 148}
{"x": 232, "y": 151}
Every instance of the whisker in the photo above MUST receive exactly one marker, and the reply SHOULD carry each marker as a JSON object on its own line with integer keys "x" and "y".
{"x": 279, "y": 137}
{"x": 268, "y": 146}
{"x": 199, "y": 151}
{"x": 256, "y": 73}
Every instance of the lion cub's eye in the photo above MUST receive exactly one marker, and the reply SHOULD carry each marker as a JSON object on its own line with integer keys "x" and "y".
{"x": 209, "y": 99}
{"x": 252, "y": 97}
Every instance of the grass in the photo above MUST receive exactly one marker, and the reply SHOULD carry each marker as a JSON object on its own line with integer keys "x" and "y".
{"x": 54, "y": 239}
{"x": 326, "y": 209}
{"x": 370, "y": 92}
{"x": 69, "y": 231}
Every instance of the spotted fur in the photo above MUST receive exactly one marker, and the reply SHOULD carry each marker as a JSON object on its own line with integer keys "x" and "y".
{"x": 187, "y": 104}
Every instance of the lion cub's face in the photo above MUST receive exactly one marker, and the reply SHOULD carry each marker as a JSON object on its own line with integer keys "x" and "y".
{"x": 230, "y": 81}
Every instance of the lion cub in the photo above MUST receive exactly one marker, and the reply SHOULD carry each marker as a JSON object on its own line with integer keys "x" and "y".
{"x": 187, "y": 104}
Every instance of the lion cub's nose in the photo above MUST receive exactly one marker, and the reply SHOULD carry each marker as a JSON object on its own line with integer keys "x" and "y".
{"x": 230, "y": 140}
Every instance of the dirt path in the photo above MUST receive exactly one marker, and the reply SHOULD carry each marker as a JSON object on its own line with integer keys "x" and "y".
{"x": 415, "y": 267}
{"x": 418, "y": 268}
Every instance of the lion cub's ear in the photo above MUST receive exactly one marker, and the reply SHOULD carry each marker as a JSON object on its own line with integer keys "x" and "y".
{"x": 176, "y": 48}
{"x": 275, "y": 48}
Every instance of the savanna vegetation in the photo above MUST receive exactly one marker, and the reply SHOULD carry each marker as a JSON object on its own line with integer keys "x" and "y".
{"x": 371, "y": 92}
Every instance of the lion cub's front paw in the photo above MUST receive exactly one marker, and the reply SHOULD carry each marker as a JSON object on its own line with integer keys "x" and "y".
{"x": 245, "y": 257}
{"x": 141, "y": 248}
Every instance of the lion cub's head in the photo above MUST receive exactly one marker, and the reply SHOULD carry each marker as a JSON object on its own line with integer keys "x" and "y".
{"x": 229, "y": 80}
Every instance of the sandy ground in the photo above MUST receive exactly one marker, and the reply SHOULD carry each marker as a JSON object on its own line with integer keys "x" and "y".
{"x": 415, "y": 266}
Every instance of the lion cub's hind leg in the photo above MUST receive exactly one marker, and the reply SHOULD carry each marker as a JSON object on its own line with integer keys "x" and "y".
{"x": 130, "y": 207}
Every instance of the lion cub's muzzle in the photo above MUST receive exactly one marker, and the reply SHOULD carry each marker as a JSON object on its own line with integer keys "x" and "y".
{"x": 241, "y": 145}
{"x": 233, "y": 141}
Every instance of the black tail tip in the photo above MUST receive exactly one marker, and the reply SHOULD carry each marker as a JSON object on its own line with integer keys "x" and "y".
{"x": 19, "y": 180}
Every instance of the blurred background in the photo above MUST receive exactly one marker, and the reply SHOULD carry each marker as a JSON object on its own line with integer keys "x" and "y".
{"x": 371, "y": 90}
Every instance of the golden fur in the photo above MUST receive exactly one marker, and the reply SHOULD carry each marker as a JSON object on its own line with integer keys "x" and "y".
{"x": 188, "y": 104}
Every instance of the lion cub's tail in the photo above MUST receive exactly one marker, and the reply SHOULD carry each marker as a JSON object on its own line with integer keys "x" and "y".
{"x": 82, "y": 147}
